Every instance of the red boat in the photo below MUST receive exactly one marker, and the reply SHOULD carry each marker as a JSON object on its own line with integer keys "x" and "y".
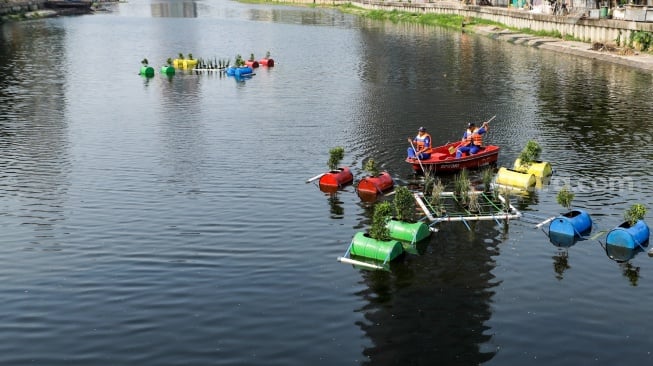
{"x": 443, "y": 159}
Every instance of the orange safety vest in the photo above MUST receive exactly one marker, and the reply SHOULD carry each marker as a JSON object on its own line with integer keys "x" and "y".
{"x": 473, "y": 137}
{"x": 420, "y": 142}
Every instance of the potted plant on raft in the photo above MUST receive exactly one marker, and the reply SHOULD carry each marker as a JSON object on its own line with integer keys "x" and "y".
{"x": 337, "y": 176}
{"x": 251, "y": 62}
{"x": 403, "y": 225}
{"x": 622, "y": 241}
{"x": 461, "y": 186}
{"x": 267, "y": 61}
{"x": 377, "y": 243}
{"x": 168, "y": 69}
{"x": 529, "y": 161}
{"x": 571, "y": 224}
{"x": 376, "y": 182}
{"x": 146, "y": 70}
{"x": 179, "y": 61}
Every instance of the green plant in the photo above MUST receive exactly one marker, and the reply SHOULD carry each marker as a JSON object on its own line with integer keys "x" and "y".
{"x": 239, "y": 61}
{"x": 169, "y": 61}
{"x": 181, "y": 56}
{"x": 335, "y": 156}
{"x": 530, "y": 153}
{"x": 267, "y": 54}
{"x": 461, "y": 186}
{"x": 635, "y": 213}
{"x": 370, "y": 167}
{"x": 642, "y": 39}
{"x": 190, "y": 56}
{"x": 382, "y": 213}
{"x": 251, "y": 57}
{"x": 486, "y": 176}
{"x": 436, "y": 194}
{"x": 144, "y": 62}
{"x": 473, "y": 205}
{"x": 564, "y": 197}
{"x": 404, "y": 204}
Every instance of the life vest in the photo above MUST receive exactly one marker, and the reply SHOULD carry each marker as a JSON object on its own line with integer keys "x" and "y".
{"x": 420, "y": 142}
{"x": 473, "y": 137}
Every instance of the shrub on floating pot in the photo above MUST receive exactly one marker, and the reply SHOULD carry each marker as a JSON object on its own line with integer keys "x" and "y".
{"x": 404, "y": 204}
{"x": 564, "y": 197}
{"x": 635, "y": 213}
{"x": 382, "y": 213}
{"x": 335, "y": 156}
{"x": 531, "y": 153}
{"x": 144, "y": 62}
{"x": 370, "y": 167}
{"x": 169, "y": 61}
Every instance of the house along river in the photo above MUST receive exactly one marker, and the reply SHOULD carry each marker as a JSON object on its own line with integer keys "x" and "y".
{"x": 166, "y": 221}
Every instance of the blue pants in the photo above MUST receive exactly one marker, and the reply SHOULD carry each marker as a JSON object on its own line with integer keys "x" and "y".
{"x": 471, "y": 149}
{"x": 422, "y": 156}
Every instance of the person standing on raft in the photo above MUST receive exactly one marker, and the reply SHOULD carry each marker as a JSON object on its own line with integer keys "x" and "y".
{"x": 472, "y": 140}
{"x": 421, "y": 145}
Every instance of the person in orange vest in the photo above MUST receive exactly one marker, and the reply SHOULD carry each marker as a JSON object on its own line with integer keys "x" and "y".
{"x": 472, "y": 140}
{"x": 422, "y": 144}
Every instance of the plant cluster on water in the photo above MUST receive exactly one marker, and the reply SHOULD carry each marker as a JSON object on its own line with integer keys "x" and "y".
{"x": 461, "y": 186}
{"x": 564, "y": 197}
{"x": 486, "y": 176}
{"x": 382, "y": 213}
{"x": 370, "y": 167}
{"x": 404, "y": 204}
{"x": 530, "y": 153}
{"x": 336, "y": 155}
{"x": 635, "y": 213}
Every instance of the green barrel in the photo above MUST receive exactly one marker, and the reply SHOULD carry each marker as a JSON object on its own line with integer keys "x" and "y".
{"x": 168, "y": 70}
{"x": 406, "y": 231}
{"x": 147, "y": 71}
{"x": 604, "y": 12}
{"x": 364, "y": 246}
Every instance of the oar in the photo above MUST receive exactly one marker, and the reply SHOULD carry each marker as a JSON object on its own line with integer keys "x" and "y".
{"x": 417, "y": 156}
{"x": 315, "y": 177}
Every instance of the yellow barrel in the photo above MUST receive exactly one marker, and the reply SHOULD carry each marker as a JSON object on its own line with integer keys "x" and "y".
{"x": 539, "y": 169}
{"x": 513, "y": 178}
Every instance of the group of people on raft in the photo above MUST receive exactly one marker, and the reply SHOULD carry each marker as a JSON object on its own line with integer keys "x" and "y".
{"x": 471, "y": 143}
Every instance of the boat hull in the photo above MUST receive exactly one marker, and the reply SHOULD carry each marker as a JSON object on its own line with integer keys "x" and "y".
{"x": 443, "y": 159}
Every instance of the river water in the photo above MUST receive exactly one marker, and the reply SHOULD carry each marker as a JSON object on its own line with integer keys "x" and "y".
{"x": 167, "y": 221}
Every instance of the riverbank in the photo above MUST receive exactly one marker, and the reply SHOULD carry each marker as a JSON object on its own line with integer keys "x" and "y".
{"x": 15, "y": 10}
{"x": 602, "y": 51}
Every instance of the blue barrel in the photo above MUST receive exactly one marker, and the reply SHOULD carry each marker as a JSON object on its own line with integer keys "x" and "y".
{"x": 243, "y": 71}
{"x": 620, "y": 254}
{"x": 561, "y": 240}
{"x": 574, "y": 223}
{"x": 231, "y": 71}
{"x": 627, "y": 236}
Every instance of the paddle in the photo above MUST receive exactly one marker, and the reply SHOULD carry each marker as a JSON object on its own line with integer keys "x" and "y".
{"x": 417, "y": 155}
{"x": 452, "y": 149}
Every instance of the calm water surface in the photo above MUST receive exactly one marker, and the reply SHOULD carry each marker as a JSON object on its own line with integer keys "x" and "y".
{"x": 167, "y": 221}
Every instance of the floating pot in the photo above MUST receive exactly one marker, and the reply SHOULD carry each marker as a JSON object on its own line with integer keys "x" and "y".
{"x": 252, "y": 64}
{"x": 375, "y": 185}
{"x": 168, "y": 70}
{"x": 538, "y": 168}
{"x": 266, "y": 62}
{"x": 619, "y": 253}
{"x": 337, "y": 178}
{"x": 513, "y": 178}
{"x": 574, "y": 223}
{"x": 364, "y": 246}
{"x": 147, "y": 71}
{"x": 406, "y": 231}
{"x": 561, "y": 240}
{"x": 184, "y": 64}
{"x": 628, "y": 236}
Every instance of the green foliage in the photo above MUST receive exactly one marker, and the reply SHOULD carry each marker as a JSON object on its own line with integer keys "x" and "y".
{"x": 461, "y": 185}
{"x": 370, "y": 167}
{"x": 335, "y": 156}
{"x": 486, "y": 176}
{"x": 144, "y": 62}
{"x": 530, "y": 153}
{"x": 267, "y": 54}
{"x": 169, "y": 61}
{"x": 239, "y": 62}
{"x": 382, "y": 213}
{"x": 436, "y": 194}
{"x": 404, "y": 204}
{"x": 190, "y": 56}
{"x": 635, "y": 213}
{"x": 564, "y": 197}
{"x": 181, "y": 56}
{"x": 643, "y": 39}
{"x": 251, "y": 57}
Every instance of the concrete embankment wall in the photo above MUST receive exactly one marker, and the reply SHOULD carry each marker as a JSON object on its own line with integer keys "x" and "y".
{"x": 20, "y": 6}
{"x": 587, "y": 30}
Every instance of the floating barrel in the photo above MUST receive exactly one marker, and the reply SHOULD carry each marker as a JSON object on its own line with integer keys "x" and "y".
{"x": 243, "y": 71}
{"x": 619, "y": 253}
{"x": 251, "y": 63}
{"x": 406, "y": 231}
{"x": 231, "y": 71}
{"x": 337, "y": 178}
{"x": 365, "y": 246}
{"x": 561, "y": 240}
{"x": 181, "y": 63}
{"x": 513, "y": 178}
{"x": 538, "y": 168}
{"x": 168, "y": 70}
{"x": 377, "y": 184}
{"x": 147, "y": 71}
{"x": 574, "y": 223}
{"x": 266, "y": 62}
{"x": 627, "y": 236}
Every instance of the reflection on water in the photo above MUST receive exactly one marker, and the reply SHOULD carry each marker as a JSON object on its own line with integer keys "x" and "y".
{"x": 174, "y": 9}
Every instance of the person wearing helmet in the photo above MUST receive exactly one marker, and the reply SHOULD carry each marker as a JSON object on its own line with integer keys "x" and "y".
{"x": 472, "y": 141}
